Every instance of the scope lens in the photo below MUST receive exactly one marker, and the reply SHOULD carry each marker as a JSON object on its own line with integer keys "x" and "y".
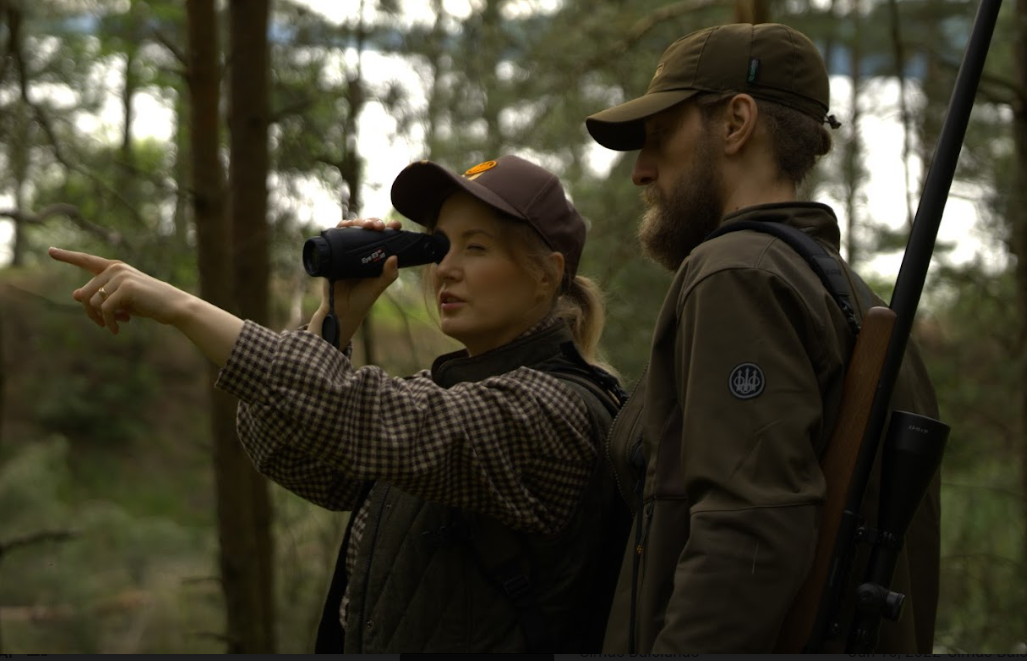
{"x": 440, "y": 246}
{"x": 312, "y": 255}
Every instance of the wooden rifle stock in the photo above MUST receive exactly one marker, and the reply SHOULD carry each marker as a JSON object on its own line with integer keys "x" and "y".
{"x": 838, "y": 462}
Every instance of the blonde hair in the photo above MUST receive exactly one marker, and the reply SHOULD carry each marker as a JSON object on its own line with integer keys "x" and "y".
{"x": 578, "y": 302}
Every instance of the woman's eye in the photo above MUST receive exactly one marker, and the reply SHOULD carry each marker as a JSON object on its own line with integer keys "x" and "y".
{"x": 475, "y": 247}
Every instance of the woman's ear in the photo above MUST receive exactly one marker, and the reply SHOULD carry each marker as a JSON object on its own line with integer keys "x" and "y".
{"x": 546, "y": 287}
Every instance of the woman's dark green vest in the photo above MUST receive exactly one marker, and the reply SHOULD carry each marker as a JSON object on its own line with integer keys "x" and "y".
{"x": 433, "y": 578}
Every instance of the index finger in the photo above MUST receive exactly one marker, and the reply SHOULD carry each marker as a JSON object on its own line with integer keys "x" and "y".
{"x": 91, "y": 263}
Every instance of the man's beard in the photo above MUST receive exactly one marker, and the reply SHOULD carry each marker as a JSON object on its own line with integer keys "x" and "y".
{"x": 674, "y": 225}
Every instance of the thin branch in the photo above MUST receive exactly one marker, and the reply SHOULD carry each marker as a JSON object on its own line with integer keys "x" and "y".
{"x": 640, "y": 29}
{"x": 1017, "y": 97}
{"x": 13, "y": 17}
{"x": 990, "y": 557}
{"x": 69, "y": 211}
{"x": 646, "y": 24}
{"x": 37, "y": 538}
{"x": 980, "y": 487}
{"x": 69, "y": 308}
{"x": 44, "y": 123}
{"x": 166, "y": 42}
{"x": 904, "y": 114}
{"x": 1001, "y": 92}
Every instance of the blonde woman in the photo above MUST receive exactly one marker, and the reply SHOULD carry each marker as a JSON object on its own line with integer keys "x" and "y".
{"x": 480, "y": 507}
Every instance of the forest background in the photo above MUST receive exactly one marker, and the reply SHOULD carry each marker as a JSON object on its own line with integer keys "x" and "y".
{"x": 130, "y": 521}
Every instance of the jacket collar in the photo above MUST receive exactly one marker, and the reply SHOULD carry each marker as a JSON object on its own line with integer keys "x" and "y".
{"x": 816, "y": 219}
{"x": 541, "y": 343}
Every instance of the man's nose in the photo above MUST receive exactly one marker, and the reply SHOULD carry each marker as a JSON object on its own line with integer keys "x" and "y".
{"x": 644, "y": 172}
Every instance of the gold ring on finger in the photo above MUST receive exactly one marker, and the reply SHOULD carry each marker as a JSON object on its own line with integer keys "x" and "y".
{"x": 103, "y": 293}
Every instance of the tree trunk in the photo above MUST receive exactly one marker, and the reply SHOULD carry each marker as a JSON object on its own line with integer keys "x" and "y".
{"x": 250, "y": 547}
{"x": 127, "y": 95}
{"x": 350, "y": 167}
{"x": 898, "y": 50}
{"x": 3, "y": 385}
{"x": 19, "y": 153}
{"x": 853, "y": 153}
{"x": 752, "y": 11}
{"x": 1018, "y": 220}
{"x": 181, "y": 173}
{"x": 239, "y": 578}
{"x": 436, "y": 49}
{"x": 492, "y": 41}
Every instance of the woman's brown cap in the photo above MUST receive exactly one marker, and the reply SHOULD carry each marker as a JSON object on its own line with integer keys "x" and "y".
{"x": 767, "y": 61}
{"x": 511, "y": 185}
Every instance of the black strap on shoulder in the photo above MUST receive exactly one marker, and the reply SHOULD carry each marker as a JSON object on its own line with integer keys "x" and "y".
{"x": 501, "y": 555}
{"x": 823, "y": 264}
{"x": 499, "y": 550}
{"x": 596, "y": 380}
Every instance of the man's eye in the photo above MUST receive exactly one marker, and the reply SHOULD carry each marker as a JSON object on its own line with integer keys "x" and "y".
{"x": 475, "y": 247}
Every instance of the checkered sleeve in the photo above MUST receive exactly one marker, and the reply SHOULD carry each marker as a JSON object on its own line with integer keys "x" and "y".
{"x": 518, "y": 446}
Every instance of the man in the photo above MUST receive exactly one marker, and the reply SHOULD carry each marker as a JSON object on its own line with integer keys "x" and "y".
{"x": 748, "y": 356}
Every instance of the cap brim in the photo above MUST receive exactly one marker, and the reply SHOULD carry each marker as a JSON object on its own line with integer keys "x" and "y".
{"x": 421, "y": 188}
{"x": 622, "y": 128}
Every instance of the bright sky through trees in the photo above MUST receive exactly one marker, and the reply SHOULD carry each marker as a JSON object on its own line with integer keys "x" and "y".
{"x": 387, "y": 152}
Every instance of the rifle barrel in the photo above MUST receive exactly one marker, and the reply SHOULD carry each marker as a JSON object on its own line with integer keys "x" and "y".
{"x": 913, "y": 271}
{"x": 909, "y": 284}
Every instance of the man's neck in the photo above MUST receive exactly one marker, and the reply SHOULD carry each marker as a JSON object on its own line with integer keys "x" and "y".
{"x": 753, "y": 194}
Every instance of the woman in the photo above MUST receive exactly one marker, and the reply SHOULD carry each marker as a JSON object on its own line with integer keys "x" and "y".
{"x": 480, "y": 510}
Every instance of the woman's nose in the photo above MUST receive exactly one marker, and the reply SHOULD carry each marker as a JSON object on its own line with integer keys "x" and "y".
{"x": 449, "y": 267}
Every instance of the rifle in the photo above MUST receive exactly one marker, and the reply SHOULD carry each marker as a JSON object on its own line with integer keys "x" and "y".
{"x": 913, "y": 445}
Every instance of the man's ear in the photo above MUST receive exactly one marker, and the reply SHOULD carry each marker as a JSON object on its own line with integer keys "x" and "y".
{"x": 740, "y": 117}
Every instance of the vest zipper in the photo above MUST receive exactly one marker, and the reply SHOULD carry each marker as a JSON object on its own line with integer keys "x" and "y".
{"x": 609, "y": 452}
{"x": 364, "y": 622}
{"x": 630, "y": 448}
{"x": 645, "y": 511}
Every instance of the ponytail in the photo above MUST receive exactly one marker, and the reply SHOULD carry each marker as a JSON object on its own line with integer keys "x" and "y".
{"x": 582, "y": 307}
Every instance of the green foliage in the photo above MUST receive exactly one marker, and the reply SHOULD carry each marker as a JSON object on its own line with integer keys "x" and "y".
{"x": 973, "y": 351}
{"x": 308, "y": 540}
{"x": 122, "y": 583}
{"x": 99, "y": 396}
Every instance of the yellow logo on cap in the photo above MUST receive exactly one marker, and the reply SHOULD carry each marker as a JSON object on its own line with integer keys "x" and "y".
{"x": 479, "y": 168}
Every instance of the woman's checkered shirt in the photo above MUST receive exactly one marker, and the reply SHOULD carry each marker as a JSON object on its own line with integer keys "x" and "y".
{"x": 518, "y": 447}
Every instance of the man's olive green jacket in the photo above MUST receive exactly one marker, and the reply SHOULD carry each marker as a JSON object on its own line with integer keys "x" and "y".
{"x": 740, "y": 396}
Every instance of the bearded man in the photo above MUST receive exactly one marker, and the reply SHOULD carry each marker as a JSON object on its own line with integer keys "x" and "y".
{"x": 724, "y": 431}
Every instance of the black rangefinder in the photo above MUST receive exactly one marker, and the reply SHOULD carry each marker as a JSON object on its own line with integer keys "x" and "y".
{"x": 355, "y": 252}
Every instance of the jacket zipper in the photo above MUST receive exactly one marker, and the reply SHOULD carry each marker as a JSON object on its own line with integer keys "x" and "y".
{"x": 629, "y": 449}
{"x": 645, "y": 511}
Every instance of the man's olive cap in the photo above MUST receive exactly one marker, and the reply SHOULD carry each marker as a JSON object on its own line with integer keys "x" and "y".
{"x": 767, "y": 61}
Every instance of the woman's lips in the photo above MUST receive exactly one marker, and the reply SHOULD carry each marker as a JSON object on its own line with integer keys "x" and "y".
{"x": 449, "y": 302}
